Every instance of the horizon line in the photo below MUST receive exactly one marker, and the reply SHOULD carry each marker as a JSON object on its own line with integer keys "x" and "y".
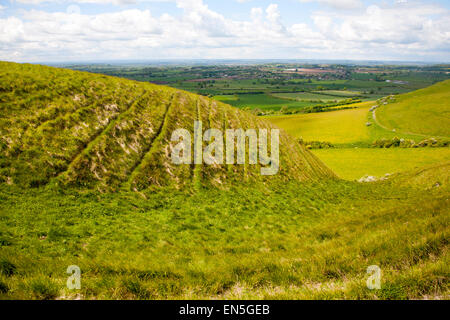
{"x": 234, "y": 60}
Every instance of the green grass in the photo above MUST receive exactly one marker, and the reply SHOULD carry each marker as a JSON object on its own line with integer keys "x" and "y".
{"x": 377, "y": 132}
{"x": 226, "y": 98}
{"x": 347, "y": 129}
{"x": 85, "y": 180}
{"x": 338, "y": 127}
{"x": 223, "y": 80}
{"x": 308, "y": 97}
{"x": 267, "y": 102}
{"x": 295, "y": 241}
{"x": 341, "y": 93}
{"x": 354, "y": 163}
{"x": 423, "y": 112}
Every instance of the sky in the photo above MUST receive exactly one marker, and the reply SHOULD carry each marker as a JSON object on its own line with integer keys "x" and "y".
{"x": 107, "y": 30}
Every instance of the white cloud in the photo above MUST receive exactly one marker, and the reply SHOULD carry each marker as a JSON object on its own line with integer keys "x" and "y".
{"x": 415, "y": 30}
{"x": 115, "y": 2}
{"x": 404, "y": 31}
{"x": 338, "y": 4}
{"x": 273, "y": 14}
{"x": 274, "y": 18}
{"x": 256, "y": 13}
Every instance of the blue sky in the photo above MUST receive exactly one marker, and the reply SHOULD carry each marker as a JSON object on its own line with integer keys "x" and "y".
{"x": 77, "y": 30}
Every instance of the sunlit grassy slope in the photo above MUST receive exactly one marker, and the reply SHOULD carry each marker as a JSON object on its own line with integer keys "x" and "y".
{"x": 349, "y": 131}
{"x": 350, "y": 163}
{"x": 294, "y": 241}
{"x": 95, "y": 131}
{"x": 425, "y": 111}
{"x": 343, "y": 126}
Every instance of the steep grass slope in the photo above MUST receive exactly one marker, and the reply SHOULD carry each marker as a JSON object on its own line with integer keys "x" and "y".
{"x": 95, "y": 131}
{"x": 293, "y": 241}
{"x": 424, "y": 112}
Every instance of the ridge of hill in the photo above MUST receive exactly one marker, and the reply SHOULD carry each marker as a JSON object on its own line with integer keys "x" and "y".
{"x": 89, "y": 130}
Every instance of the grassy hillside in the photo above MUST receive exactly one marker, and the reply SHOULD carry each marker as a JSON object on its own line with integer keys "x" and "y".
{"x": 301, "y": 234}
{"x": 343, "y": 127}
{"x": 354, "y": 132}
{"x": 425, "y": 111}
{"x": 352, "y": 164}
{"x": 88, "y": 130}
{"x": 295, "y": 241}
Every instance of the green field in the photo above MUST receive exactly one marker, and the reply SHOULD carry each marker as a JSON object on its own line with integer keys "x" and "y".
{"x": 226, "y": 98}
{"x": 306, "y": 96}
{"x": 338, "y": 127}
{"x": 423, "y": 112}
{"x": 348, "y": 130}
{"x": 270, "y": 78}
{"x": 265, "y": 102}
{"x": 341, "y": 93}
{"x": 353, "y": 164}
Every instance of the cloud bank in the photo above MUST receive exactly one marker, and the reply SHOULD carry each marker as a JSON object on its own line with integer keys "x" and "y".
{"x": 402, "y": 31}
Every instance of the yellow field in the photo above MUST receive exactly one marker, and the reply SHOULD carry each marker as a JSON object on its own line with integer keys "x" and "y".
{"x": 343, "y": 126}
{"x": 347, "y": 129}
{"x": 354, "y": 163}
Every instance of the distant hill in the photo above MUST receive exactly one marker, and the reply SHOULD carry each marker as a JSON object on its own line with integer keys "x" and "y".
{"x": 424, "y": 112}
{"x": 89, "y": 130}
